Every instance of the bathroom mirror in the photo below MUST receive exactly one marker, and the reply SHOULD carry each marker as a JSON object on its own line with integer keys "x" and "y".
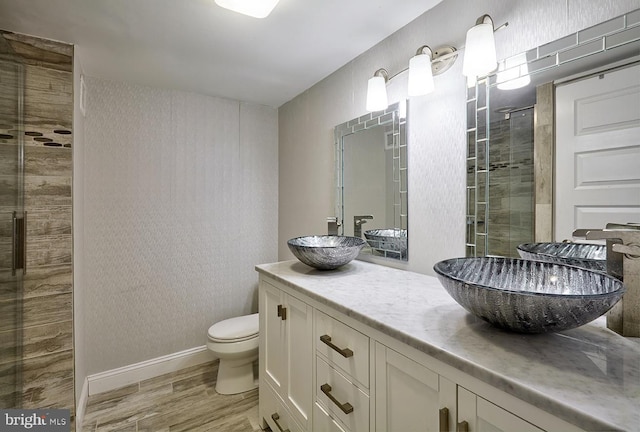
{"x": 510, "y": 133}
{"x": 371, "y": 181}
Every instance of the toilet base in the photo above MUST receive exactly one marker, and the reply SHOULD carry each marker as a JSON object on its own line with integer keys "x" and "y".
{"x": 235, "y": 376}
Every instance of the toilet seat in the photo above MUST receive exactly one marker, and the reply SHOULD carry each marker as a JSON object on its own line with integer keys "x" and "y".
{"x": 236, "y": 329}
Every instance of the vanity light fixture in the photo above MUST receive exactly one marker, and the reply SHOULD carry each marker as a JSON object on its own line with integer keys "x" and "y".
{"x": 253, "y": 8}
{"x": 422, "y": 68}
{"x": 480, "y": 48}
{"x": 377, "y": 91}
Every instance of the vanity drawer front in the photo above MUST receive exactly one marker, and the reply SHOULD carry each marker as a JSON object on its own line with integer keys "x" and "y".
{"x": 343, "y": 399}
{"x": 344, "y": 347}
{"x": 322, "y": 421}
{"x": 274, "y": 412}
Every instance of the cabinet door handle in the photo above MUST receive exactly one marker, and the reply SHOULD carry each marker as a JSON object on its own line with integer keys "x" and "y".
{"x": 444, "y": 419}
{"x": 463, "y": 426}
{"x": 275, "y": 418}
{"x": 344, "y": 352}
{"x": 345, "y": 407}
{"x": 282, "y": 312}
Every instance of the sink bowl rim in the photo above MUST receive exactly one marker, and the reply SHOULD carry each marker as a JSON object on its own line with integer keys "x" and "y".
{"x": 291, "y": 241}
{"x": 617, "y": 283}
{"x": 339, "y": 251}
{"x": 523, "y": 247}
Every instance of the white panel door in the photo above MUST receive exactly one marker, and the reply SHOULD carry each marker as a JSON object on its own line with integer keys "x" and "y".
{"x": 597, "y": 167}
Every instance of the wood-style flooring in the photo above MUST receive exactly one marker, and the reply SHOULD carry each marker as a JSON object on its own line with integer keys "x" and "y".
{"x": 180, "y": 401}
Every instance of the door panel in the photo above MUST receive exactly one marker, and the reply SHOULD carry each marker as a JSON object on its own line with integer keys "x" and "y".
{"x": 597, "y": 151}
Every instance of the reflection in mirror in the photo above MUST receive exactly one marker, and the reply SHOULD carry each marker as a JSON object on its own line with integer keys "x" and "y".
{"x": 371, "y": 181}
{"x": 510, "y": 134}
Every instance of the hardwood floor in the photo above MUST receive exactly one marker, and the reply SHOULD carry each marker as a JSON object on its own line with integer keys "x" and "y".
{"x": 181, "y": 401}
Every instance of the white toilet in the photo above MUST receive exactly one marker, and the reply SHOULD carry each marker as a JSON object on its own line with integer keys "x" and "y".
{"x": 235, "y": 342}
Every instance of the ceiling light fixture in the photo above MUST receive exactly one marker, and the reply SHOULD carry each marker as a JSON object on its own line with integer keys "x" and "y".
{"x": 480, "y": 48}
{"x": 253, "y": 8}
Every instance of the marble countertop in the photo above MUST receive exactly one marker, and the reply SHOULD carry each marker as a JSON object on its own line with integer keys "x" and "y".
{"x": 587, "y": 376}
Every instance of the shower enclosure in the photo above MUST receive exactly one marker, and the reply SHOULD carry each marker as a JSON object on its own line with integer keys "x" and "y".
{"x": 36, "y": 270}
{"x": 500, "y": 172}
{"x": 511, "y": 209}
{"x": 12, "y": 251}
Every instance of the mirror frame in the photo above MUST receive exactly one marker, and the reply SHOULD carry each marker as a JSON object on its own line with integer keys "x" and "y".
{"x": 395, "y": 115}
{"x": 567, "y": 57}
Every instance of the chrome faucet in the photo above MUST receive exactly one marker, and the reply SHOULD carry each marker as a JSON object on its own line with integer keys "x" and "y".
{"x": 332, "y": 225}
{"x": 623, "y": 262}
{"x": 358, "y": 221}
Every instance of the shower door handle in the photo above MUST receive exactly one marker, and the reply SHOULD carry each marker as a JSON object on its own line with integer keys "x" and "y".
{"x": 19, "y": 244}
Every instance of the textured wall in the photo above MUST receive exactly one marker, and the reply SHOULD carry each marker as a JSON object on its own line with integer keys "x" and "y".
{"x": 436, "y": 121}
{"x": 180, "y": 196}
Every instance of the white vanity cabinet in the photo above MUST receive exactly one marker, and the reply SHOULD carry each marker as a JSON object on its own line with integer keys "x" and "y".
{"x": 286, "y": 351}
{"x": 324, "y": 370}
{"x": 412, "y": 397}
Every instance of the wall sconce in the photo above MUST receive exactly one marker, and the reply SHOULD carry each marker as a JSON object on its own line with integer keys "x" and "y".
{"x": 422, "y": 68}
{"x": 480, "y": 53}
{"x": 377, "y": 91}
{"x": 420, "y": 73}
{"x": 253, "y": 8}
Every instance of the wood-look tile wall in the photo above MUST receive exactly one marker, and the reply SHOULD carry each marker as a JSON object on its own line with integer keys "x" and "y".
{"x": 47, "y": 297}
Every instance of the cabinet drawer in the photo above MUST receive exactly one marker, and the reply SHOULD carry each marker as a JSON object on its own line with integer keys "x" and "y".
{"x": 322, "y": 421}
{"x": 275, "y": 414}
{"x": 344, "y": 347}
{"x": 341, "y": 397}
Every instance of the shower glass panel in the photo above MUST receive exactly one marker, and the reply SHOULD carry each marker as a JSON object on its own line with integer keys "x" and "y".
{"x": 511, "y": 203}
{"x": 11, "y": 206}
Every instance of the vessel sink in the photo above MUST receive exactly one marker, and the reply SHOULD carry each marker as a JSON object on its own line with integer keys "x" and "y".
{"x": 326, "y": 252}
{"x": 528, "y": 296}
{"x": 589, "y": 256}
{"x": 391, "y": 241}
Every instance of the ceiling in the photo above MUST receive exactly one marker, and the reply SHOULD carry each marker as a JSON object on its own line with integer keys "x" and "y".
{"x": 195, "y": 45}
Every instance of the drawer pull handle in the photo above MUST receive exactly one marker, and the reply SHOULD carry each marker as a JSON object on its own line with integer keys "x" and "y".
{"x": 444, "y": 419}
{"x": 463, "y": 426}
{"x": 344, "y": 352}
{"x": 345, "y": 407}
{"x": 282, "y": 312}
{"x": 275, "y": 418}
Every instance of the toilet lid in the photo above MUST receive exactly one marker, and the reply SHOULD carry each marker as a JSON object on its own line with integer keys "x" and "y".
{"x": 235, "y": 329}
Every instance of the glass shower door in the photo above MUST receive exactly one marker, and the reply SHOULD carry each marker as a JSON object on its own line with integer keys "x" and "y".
{"x": 11, "y": 219}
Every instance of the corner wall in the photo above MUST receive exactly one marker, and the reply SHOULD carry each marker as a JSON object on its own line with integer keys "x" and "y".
{"x": 180, "y": 196}
{"x": 437, "y": 122}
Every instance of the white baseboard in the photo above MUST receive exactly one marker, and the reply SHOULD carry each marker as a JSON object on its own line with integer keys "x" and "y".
{"x": 82, "y": 404}
{"x": 116, "y": 378}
